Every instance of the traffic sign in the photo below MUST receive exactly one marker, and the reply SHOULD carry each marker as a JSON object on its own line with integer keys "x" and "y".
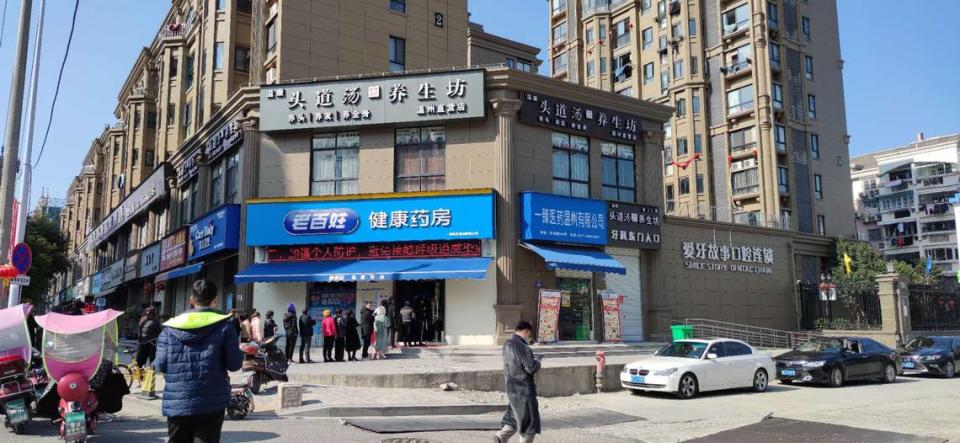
{"x": 20, "y": 280}
{"x": 21, "y": 257}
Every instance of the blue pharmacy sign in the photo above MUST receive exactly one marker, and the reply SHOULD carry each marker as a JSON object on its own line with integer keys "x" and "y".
{"x": 454, "y": 215}
{"x": 217, "y": 231}
{"x": 556, "y": 218}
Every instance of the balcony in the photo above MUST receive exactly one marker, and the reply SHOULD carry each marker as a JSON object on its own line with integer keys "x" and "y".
{"x": 733, "y": 30}
{"x": 742, "y": 150}
{"x": 739, "y": 109}
{"x": 746, "y": 191}
{"x": 175, "y": 31}
{"x": 616, "y": 4}
{"x": 736, "y": 68}
{"x": 591, "y": 7}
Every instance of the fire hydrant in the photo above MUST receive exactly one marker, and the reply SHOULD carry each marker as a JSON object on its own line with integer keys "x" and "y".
{"x": 601, "y": 365}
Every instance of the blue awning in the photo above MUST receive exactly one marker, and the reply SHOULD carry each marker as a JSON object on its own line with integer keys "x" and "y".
{"x": 366, "y": 270}
{"x": 179, "y": 272}
{"x": 578, "y": 259}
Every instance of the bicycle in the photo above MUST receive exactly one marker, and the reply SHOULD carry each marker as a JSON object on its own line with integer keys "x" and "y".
{"x": 132, "y": 372}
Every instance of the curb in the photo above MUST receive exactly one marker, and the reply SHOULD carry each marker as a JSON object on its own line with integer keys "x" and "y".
{"x": 394, "y": 411}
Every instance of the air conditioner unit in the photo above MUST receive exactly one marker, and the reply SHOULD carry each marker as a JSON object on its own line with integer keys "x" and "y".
{"x": 749, "y": 163}
{"x": 736, "y": 166}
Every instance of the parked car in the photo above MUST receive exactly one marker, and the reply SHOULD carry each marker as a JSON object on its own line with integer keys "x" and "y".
{"x": 931, "y": 355}
{"x": 835, "y": 360}
{"x": 688, "y": 367}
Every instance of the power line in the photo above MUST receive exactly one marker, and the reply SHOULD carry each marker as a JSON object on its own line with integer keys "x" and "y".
{"x": 56, "y": 91}
{"x": 3, "y": 22}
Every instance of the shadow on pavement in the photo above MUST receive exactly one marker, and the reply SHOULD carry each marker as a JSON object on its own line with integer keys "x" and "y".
{"x": 782, "y": 429}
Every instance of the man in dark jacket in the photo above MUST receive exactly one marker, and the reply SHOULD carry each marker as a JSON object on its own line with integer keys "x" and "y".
{"x": 407, "y": 317}
{"x": 290, "y": 328}
{"x": 519, "y": 365}
{"x": 366, "y": 326}
{"x": 269, "y": 326}
{"x": 306, "y": 334}
{"x": 147, "y": 343}
{"x": 194, "y": 352}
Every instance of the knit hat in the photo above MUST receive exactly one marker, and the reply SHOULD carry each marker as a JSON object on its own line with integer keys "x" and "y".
{"x": 291, "y": 308}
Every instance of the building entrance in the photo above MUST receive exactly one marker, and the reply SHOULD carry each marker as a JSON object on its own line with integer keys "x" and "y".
{"x": 426, "y": 297}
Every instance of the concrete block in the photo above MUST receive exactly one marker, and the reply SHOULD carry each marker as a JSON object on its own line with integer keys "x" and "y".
{"x": 290, "y": 395}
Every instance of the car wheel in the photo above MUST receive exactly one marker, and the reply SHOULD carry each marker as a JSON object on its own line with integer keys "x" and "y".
{"x": 950, "y": 370}
{"x": 836, "y": 377}
{"x": 889, "y": 373}
{"x": 688, "y": 387}
{"x": 760, "y": 381}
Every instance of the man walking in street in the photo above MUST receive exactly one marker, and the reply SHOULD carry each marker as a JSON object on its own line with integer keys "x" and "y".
{"x": 147, "y": 342}
{"x": 366, "y": 327}
{"x": 306, "y": 334}
{"x": 407, "y": 316}
{"x": 519, "y": 366}
{"x": 194, "y": 352}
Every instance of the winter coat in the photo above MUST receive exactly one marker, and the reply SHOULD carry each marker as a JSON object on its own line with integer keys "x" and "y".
{"x": 407, "y": 314}
{"x": 269, "y": 328}
{"x": 328, "y": 327}
{"x": 149, "y": 330}
{"x": 341, "y": 323}
{"x": 194, "y": 352}
{"x": 306, "y": 325}
{"x": 290, "y": 324}
{"x": 519, "y": 366}
{"x": 353, "y": 339}
{"x": 366, "y": 322}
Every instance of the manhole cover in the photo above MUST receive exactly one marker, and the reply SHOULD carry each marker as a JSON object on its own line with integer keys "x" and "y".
{"x": 406, "y": 440}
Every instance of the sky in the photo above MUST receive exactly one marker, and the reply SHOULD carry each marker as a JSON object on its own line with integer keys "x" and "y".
{"x": 900, "y": 72}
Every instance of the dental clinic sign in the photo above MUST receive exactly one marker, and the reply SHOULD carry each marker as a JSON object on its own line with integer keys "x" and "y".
{"x": 217, "y": 231}
{"x": 440, "y": 96}
{"x": 727, "y": 258}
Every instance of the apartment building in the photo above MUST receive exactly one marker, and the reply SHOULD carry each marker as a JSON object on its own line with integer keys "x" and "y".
{"x": 902, "y": 198}
{"x": 759, "y": 130}
{"x": 485, "y": 48}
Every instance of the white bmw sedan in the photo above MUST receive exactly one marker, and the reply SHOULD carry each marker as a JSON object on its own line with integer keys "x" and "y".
{"x": 686, "y": 367}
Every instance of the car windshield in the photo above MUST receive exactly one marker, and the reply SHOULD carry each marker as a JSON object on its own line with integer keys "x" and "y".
{"x": 683, "y": 349}
{"x": 927, "y": 342}
{"x": 820, "y": 346}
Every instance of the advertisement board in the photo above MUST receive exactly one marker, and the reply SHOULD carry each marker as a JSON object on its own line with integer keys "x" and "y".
{"x": 557, "y": 218}
{"x": 173, "y": 250}
{"x": 633, "y": 226}
{"x": 548, "y": 315}
{"x": 217, "y": 231}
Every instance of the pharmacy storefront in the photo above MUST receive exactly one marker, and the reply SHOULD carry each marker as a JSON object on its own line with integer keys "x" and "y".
{"x": 432, "y": 250}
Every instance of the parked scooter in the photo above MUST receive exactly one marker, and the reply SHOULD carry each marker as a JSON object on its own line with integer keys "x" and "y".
{"x": 241, "y": 400}
{"x": 17, "y": 380}
{"x": 79, "y": 353}
{"x": 266, "y": 361}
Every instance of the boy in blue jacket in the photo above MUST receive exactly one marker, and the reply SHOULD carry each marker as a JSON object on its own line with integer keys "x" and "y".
{"x": 194, "y": 352}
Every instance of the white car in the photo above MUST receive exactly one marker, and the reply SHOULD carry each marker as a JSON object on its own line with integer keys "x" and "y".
{"x": 686, "y": 367}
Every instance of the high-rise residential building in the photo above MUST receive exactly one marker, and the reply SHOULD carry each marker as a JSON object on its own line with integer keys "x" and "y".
{"x": 902, "y": 198}
{"x": 759, "y": 130}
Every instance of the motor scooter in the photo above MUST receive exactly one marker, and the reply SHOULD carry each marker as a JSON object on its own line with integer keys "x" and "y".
{"x": 241, "y": 400}
{"x": 265, "y": 361}
{"x": 18, "y": 382}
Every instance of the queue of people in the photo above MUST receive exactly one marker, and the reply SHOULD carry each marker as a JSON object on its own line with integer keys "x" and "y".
{"x": 344, "y": 334}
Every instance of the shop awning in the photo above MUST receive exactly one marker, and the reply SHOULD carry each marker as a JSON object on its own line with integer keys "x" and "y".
{"x": 366, "y": 270}
{"x": 179, "y": 272}
{"x": 578, "y": 259}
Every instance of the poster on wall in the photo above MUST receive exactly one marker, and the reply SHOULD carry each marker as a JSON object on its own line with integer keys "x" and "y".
{"x": 332, "y": 297}
{"x": 548, "y": 315}
{"x": 610, "y": 303}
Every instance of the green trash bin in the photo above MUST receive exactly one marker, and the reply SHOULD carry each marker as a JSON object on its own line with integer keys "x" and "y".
{"x": 681, "y": 332}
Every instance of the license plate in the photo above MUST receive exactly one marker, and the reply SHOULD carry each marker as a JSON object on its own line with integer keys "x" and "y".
{"x": 909, "y": 365}
{"x": 638, "y": 379}
{"x": 17, "y": 411}
{"x": 75, "y": 426}
{"x": 788, "y": 373}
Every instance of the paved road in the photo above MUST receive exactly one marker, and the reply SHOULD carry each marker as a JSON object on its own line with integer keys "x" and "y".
{"x": 916, "y": 406}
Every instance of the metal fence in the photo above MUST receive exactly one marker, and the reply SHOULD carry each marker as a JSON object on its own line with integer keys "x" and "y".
{"x": 726, "y": 215}
{"x": 754, "y": 335}
{"x": 934, "y": 307}
{"x": 853, "y": 306}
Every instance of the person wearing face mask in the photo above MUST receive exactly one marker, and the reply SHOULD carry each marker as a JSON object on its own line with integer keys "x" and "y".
{"x": 519, "y": 367}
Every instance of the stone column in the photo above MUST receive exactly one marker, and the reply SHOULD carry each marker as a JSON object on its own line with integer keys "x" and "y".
{"x": 508, "y": 305}
{"x": 895, "y": 321}
{"x": 249, "y": 182}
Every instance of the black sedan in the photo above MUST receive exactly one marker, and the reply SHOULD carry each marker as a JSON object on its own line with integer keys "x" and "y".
{"x": 834, "y": 360}
{"x": 931, "y": 355}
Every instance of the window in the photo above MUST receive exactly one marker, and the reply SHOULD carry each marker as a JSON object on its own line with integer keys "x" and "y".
{"x": 808, "y": 67}
{"x": 773, "y": 20}
{"x": 602, "y": 32}
{"x": 780, "y": 137}
{"x": 736, "y": 19}
{"x": 558, "y": 6}
{"x": 397, "y": 54}
{"x": 271, "y": 37}
{"x": 174, "y": 67}
{"x": 221, "y": 5}
{"x": 664, "y": 81}
{"x": 244, "y": 6}
{"x": 695, "y": 104}
{"x": 171, "y": 114}
{"x": 681, "y": 105}
{"x": 619, "y": 172}
{"x": 777, "y": 96}
{"x": 678, "y": 69}
{"x": 783, "y": 179}
{"x": 187, "y": 122}
{"x": 815, "y": 145}
{"x": 746, "y": 182}
{"x": 241, "y": 58}
{"x": 421, "y": 159}
{"x": 699, "y": 183}
{"x": 399, "y": 5}
{"x": 669, "y": 193}
{"x": 647, "y": 37}
{"x": 622, "y": 69}
{"x": 645, "y": 6}
{"x": 662, "y": 13}
{"x": 186, "y": 202}
{"x": 684, "y": 185}
{"x": 682, "y": 148}
{"x": 335, "y": 164}
{"x": 693, "y": 65}
{"x": 151, "y": 120}
{"x": 805, "y": 28}
{"x": 135, "y": 158}
{"x": 188, "y": 72}
{"x": 621, "y": 30}
{"x": 734, "y": 349}
{"x": 676, "y": 31}
{"x": 668, "y": 160}
{"x": 626, "y": 91}
{"x": 233, "y": 169}
{"x": 821, "y": 225}
{"x": 560, "y": 63}
{"x": 739, "y": 59}
{"x": 692, "y": 27}
{"x": 818, "y": 186}
{"x": 588, "y": 36}
{"x": 697, "y": 143}
{"x": 524, "y": 66}
{"x": 603, "y": 66}
{"x": 218, "y": 56}
{"x": 571, "y": 165}
{"x": 662, "y": 44}
{"x": 648, "y": 73}
{"x": 216, "y": 185}
{"x": 667, "y": 130}
{"x": 136, "y": 119}
{"x": 811, "y": 106}
{"x": 740, "y": 100}
{"x": 775, "y": 56}
{"x": 590, "y": 68}
{"x": 560, "y": 33}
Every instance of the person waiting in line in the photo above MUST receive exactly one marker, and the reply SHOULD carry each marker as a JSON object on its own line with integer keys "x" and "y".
{"x": 328, "y": 327}
{"x": 340, "y": 340}
{"x": 244, "y": 328}
{"x": 392, "y": 314}
{"x": 352, "y": 339}
{"x": 290, "y": 329}
{"x": 366, "y": 327}
{"x": 407, "y": 317}
{"x": 381, "y": 330}
{"x": 256, "y": 327}
{"x": 269, "y": 326}
{"x": 306, "y": 333}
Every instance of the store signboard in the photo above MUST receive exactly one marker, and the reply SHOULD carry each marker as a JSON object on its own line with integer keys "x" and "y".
{"x": 420, "y": 217}
{"x": 406, "y": 99}
{"x": 221, "y": 141}
{"x": 146, "y": 193}
{"x": 215, "y": 232}
{"x": 557, "y": 218}
{"x": 150, "y": 260}
{"x": 173, "y": 250}
{"x": 727, "y": 257}
{"x": 633, "y": 226}
{"x": 131, "y": 266}
{"x": 377, "y": 251}
{"x": 111, "y": 276}
{"x": 581, "y": 119}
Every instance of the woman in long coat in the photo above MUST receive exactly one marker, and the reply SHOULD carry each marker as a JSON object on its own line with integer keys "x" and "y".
{"x": 353, "y": 338}
{"x": 381, "y": 329}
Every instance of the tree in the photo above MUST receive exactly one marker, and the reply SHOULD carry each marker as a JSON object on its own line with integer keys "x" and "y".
{"x": 49, "y": 255}
{"x": 917, "y": 272}
{"x": 866, "y": 264}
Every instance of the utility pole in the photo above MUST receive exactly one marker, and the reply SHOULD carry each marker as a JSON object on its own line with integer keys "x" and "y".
{"x": 8, "y": 180}
{"x": 26, "y": 173}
